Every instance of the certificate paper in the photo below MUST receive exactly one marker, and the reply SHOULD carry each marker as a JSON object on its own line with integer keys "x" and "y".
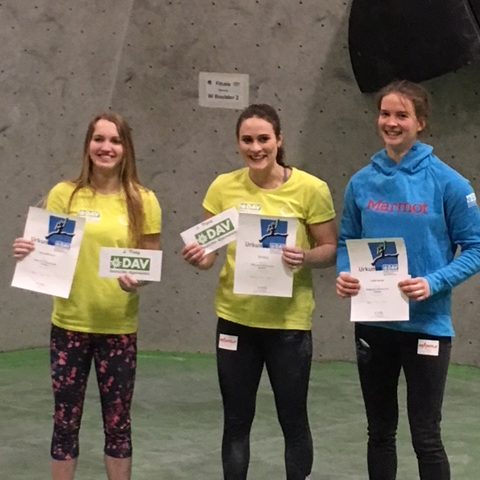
{"x": 140, "y": 263}
{"x": 50, "y": 267}
{"x": 259, "y": 269}
{"x": 215, "y": 232}
{"x": 379, "y": 264}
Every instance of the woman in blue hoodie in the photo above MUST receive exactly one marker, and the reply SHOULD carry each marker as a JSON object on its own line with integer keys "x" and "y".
{"x": 406, "y": 191}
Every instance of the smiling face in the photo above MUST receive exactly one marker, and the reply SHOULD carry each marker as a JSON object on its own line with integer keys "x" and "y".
{"x": 258, "y": 144}
{"x": 398, "y": 124}
{"x": 105, "y": 147}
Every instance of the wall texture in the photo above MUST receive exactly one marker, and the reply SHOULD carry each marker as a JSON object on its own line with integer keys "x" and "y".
{"x": 64, "y": 61}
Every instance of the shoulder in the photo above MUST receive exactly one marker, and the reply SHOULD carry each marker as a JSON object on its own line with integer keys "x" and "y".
{"x": 229, "y": 178}
{"x": 362, "y": 175}
{"x": 62, "y": 188}
{"x": 307, "y": 180}
{"x": 149, "y": 198}
{"x": 146, "y": 193}
{"x": 445, "y": 171}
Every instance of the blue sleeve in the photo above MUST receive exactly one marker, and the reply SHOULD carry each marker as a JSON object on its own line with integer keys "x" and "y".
{"x": 462, "y": 216}
{"x": 350, "y": 227}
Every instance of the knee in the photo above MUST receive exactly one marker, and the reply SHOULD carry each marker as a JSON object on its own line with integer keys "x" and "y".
{"x": 238, "y": 424}
{"x": 118, "y": 440}
{"x": 65, "y": 439}
{"x": 427, "y": 442}
{"x": 382, "y": 434}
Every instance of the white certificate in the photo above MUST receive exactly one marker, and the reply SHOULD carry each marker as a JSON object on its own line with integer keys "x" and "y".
{"x": 214, "y": 232}
{"x": 50, "y": 267}
{"x": 259, "y": 269}
{"x": 379, "y": 264}
{"x": 142, "y": 264}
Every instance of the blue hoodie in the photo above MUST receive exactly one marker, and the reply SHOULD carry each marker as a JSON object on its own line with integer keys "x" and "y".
{"x": 434, "y": 209}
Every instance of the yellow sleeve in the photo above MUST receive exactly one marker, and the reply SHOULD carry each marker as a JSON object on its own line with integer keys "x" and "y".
{"x": 152, "y": 212}
{"x": 320, "y": 204}
{"x": 58, "y": 197}
{"x": 213, "y": 200}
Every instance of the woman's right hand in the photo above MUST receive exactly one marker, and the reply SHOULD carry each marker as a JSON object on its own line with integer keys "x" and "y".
{"x": 22, "y": 247}
{"x": 347, "y": 286}
{"x": 195, "y": 255}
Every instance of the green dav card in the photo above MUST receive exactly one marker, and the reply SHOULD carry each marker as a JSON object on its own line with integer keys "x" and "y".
{"x": 214, "y": 232}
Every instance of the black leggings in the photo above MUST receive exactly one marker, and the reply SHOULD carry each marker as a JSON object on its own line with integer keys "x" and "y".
{"x": 382, "y": 353}
{"x": 241, "y": 355}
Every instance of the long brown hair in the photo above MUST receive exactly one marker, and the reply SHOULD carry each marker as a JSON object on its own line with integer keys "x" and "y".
{"x": 131, "y": 185}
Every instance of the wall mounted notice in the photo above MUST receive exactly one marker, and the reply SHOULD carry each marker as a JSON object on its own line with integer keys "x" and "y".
{"x": 223, "y": 90}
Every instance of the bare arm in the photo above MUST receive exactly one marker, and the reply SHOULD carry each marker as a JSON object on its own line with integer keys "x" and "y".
{"x": 323, "y": 253}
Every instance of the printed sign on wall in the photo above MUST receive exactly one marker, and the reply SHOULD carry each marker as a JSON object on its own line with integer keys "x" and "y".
{"x": 223, "y": 90}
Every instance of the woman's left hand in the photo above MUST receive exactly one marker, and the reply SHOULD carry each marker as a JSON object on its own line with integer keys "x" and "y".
{"x": 128, "y": 283}
{"x": 415, "y": 288}
{"x": 294, "y": 257}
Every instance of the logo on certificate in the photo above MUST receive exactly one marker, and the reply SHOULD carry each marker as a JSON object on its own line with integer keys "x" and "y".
{"x": 60, "y": 231}
{"x": 384, "y": 255}
{"x": 274, "y": 233}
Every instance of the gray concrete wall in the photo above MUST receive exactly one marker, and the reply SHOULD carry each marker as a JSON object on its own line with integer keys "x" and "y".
{"x": 64, "y": 61}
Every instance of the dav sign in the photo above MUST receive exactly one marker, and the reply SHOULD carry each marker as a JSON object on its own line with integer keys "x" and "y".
{"x": 118, "y": 262}
{"x": 141, "y": 263}
{"x": 215, "y": 232}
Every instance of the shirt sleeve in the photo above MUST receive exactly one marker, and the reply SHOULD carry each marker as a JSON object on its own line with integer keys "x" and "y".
{"x": 320, "y": 204}
{"x": 57, "y": 199}
{"x": 213, "y": 199}
{"x": 153, "y": 214}
{"x": 350, "y": 228}
{"x": 462, "y": 216}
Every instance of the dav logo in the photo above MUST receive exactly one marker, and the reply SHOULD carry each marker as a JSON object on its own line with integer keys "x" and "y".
{"x": 60, "y": 231}
{"x": 215, "y": 232}
{"x": 384, "y": 255}
{"x": 274, "y": 233}
{"x": 138, "y": 264}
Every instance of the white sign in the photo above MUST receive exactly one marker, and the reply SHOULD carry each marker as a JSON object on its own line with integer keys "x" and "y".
{"x": 50, "y": 267}
{"x": 215, "y": 232}
{"x": 140, "y": 263}
{"x": 223, "y": 90}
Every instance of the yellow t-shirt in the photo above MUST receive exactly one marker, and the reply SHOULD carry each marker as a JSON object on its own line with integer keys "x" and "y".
{"x": 302, "y": 196}
{"x": 99, "y": 305}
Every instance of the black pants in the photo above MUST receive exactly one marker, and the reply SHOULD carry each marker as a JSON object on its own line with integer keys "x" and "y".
{"x": 287, "y": 355}
{"x": 381, "y": 354}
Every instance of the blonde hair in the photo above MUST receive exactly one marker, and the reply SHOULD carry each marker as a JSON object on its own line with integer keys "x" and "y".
{"x": 129, "y": 180}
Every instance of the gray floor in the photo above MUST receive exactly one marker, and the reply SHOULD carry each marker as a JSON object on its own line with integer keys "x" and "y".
{"x": 177, "y": 422}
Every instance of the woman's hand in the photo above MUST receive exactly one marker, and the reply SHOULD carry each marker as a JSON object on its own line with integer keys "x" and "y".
{"x": 294, "y": 257}
{"x": 415, "y": 288}
{"x": 195, "y": 255}
{"x": 22, "y": 247}
{"x": 347, "y": 286}
{"x": 129, "y": 284}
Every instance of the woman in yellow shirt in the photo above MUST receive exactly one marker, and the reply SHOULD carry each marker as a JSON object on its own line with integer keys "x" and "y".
{"x": 252, "y": 330}
{"x": 99, "y": 320}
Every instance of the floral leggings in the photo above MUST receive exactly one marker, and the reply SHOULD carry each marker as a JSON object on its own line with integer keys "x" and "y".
{"x": 71, "y": 355}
